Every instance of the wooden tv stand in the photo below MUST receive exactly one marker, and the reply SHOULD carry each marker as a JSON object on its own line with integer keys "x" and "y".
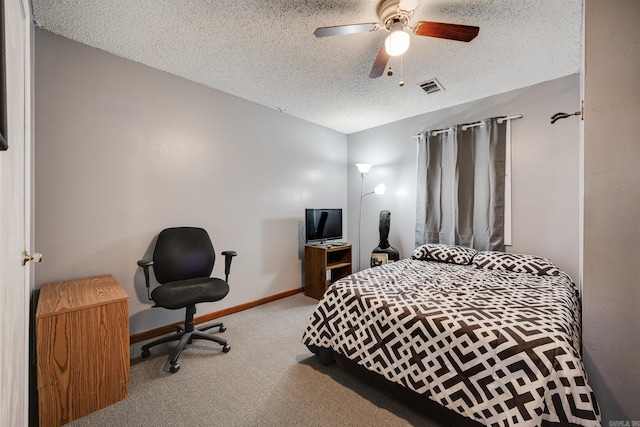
{"x": 324, "y": 265}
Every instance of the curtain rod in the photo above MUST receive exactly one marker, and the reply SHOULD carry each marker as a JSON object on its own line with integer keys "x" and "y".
{"x": 438, "y": 132}
{"x": 502, "y": 119}
{"x": 470, "y": 125}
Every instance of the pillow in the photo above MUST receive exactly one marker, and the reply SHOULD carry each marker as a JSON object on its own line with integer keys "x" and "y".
{"x": 445, "y": 253}
{"x": 517, "y": 263}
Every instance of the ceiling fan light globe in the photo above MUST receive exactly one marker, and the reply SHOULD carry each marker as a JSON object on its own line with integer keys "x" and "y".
{"x": 397, "y": 43}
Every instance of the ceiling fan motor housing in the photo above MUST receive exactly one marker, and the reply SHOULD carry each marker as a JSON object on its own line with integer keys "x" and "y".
{"x": 389, "y": 13}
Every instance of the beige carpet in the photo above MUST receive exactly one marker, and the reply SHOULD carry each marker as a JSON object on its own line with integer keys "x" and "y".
{"x": 267, "y": 379}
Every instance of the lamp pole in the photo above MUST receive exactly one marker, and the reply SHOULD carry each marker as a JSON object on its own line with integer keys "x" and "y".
{"x": 364, "y": 168}
{"x": 360, "y": 216}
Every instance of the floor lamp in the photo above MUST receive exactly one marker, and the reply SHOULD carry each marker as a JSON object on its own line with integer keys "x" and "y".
{"x": 364, "y": 169}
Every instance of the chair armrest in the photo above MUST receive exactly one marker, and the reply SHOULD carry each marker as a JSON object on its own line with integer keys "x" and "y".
{"x": 145, "y": 264}
{"x": 228, "y": 257}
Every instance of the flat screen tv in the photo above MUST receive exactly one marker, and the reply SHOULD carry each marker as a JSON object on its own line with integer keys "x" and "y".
{"x": 322, "y": 225}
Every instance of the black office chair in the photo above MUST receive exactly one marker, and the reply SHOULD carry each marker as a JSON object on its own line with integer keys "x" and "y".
{"x": 182, "y": 263}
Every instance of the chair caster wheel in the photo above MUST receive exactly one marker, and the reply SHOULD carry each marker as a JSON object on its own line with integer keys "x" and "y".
{"x": 222, "y": 328}
{"x": 226, "y": 348}
{"x": 146, "y": 353}
{"x": 174, "y": 368}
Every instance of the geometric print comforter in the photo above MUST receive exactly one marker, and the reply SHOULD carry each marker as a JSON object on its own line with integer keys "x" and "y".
{"x": 498, "y": 347}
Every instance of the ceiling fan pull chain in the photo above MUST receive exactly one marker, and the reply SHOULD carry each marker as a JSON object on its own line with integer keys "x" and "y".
{"x": 401, "y": 81}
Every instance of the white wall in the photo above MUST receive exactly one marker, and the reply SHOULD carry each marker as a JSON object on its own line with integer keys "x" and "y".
{"x": 611, "y": 312}
{"x": 123, "y": 150}
{"x": 545, "y": 171}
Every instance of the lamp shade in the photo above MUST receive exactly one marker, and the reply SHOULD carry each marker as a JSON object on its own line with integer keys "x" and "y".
{"x": 380, "y": 189}
{"x": 363, "y": 167}
{"x": 398, "y": 41}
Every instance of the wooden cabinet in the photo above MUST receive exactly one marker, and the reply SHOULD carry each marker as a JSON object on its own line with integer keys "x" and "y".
{"x": 82, "y": 345}
{"x": 324, "y": 265}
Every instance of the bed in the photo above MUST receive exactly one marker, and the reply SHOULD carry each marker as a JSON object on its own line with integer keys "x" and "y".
{"x": 491, "y": 336}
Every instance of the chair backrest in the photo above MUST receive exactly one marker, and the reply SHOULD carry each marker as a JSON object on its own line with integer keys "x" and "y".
{"x": 183, "y": 253}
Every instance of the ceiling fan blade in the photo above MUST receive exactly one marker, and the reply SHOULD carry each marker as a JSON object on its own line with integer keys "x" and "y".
{"x": 339, "y": 30}
{"x": 380, "y": 64}
{"x": 463, "y": 33}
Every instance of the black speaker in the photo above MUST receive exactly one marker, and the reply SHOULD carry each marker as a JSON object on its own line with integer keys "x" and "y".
{"x": 384, "y": 252}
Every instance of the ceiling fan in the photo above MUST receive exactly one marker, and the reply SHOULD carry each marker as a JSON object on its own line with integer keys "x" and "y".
{"x": 394, "y": 17}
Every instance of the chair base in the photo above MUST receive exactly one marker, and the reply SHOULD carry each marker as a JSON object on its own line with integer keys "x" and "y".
{"x": 186, "y": 334}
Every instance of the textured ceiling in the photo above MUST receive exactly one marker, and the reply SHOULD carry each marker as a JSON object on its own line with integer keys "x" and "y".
{"x": 265, "y": 51}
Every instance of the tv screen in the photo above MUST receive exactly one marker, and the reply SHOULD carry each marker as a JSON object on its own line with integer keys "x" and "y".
{"x": 323, "y": 224}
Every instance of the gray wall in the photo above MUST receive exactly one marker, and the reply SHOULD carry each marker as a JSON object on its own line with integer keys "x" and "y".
{"x": 611, "y": 314}
{"x": 123, "y": 150}
{"x": 545, "y": 161}
{"x": 115, "y": 140}
{"x": 117, "y": 145}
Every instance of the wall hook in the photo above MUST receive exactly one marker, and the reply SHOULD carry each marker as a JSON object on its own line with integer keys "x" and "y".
{"x": 558, "y": 116}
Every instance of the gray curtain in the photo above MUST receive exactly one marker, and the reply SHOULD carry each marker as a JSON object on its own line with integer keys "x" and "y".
{"x": 461, "y": 186}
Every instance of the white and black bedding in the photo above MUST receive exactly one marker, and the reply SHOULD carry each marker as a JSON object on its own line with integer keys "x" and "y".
{"x": 494, "y": 337}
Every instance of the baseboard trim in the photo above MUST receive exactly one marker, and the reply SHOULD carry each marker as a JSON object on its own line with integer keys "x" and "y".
{"x": 163, "y": 330}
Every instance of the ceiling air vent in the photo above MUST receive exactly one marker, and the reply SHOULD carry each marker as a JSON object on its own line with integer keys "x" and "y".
{"x": 431, "y": 86}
